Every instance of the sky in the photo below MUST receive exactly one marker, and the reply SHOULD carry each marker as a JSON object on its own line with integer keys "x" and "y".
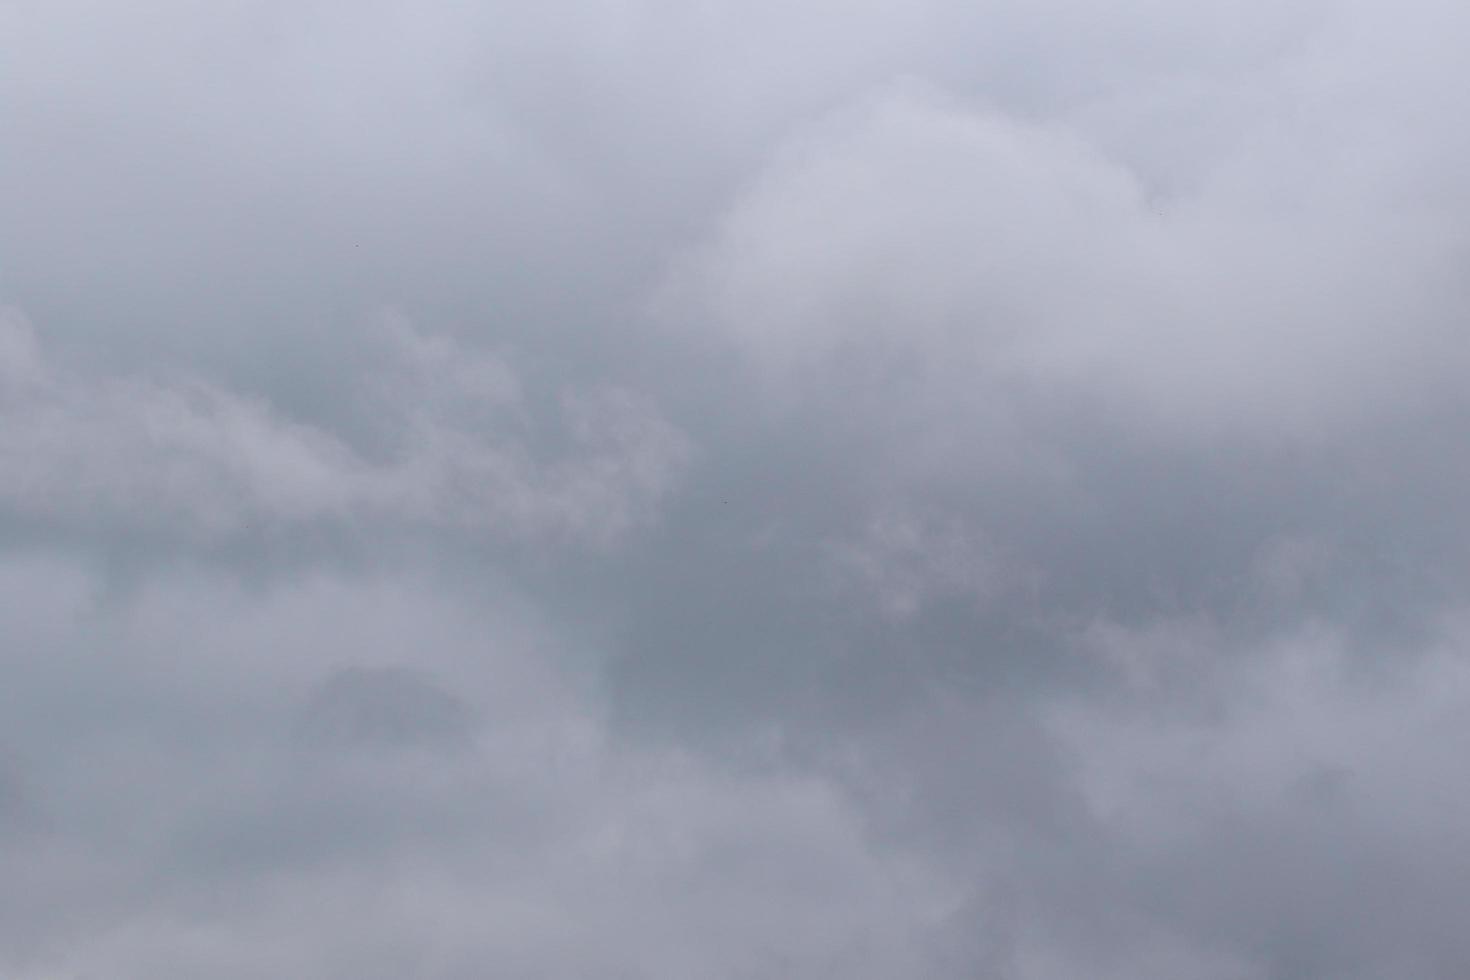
{"x": 642, "y": 489}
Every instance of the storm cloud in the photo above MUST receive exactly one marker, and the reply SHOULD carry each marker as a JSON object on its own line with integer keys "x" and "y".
{"x": 652, "y": 490}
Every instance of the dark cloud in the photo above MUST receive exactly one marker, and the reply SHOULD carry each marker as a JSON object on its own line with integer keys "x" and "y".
{"x": 878, "y": 489}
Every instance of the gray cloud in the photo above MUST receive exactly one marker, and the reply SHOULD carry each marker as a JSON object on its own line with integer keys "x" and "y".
{"x": 234, "y": 801}
{"x": 886, "y": 489}
{"x": 210, "y": 462}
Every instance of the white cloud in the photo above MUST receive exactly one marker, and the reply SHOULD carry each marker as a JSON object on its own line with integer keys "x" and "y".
{"x": 1000, "y": 254}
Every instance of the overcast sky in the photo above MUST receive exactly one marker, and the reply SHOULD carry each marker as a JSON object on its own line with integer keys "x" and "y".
{"x": 656, "y": 490}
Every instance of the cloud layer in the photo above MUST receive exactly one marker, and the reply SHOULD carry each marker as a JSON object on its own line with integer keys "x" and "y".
{"x": 884, "y": 489}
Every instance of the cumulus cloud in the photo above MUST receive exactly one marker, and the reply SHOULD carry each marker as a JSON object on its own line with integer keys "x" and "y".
{"x": 994, "y": 251}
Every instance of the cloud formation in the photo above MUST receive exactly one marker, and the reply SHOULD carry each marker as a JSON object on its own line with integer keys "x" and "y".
{"x": 189, "y": 458}
{"x": 881, "y": 489}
